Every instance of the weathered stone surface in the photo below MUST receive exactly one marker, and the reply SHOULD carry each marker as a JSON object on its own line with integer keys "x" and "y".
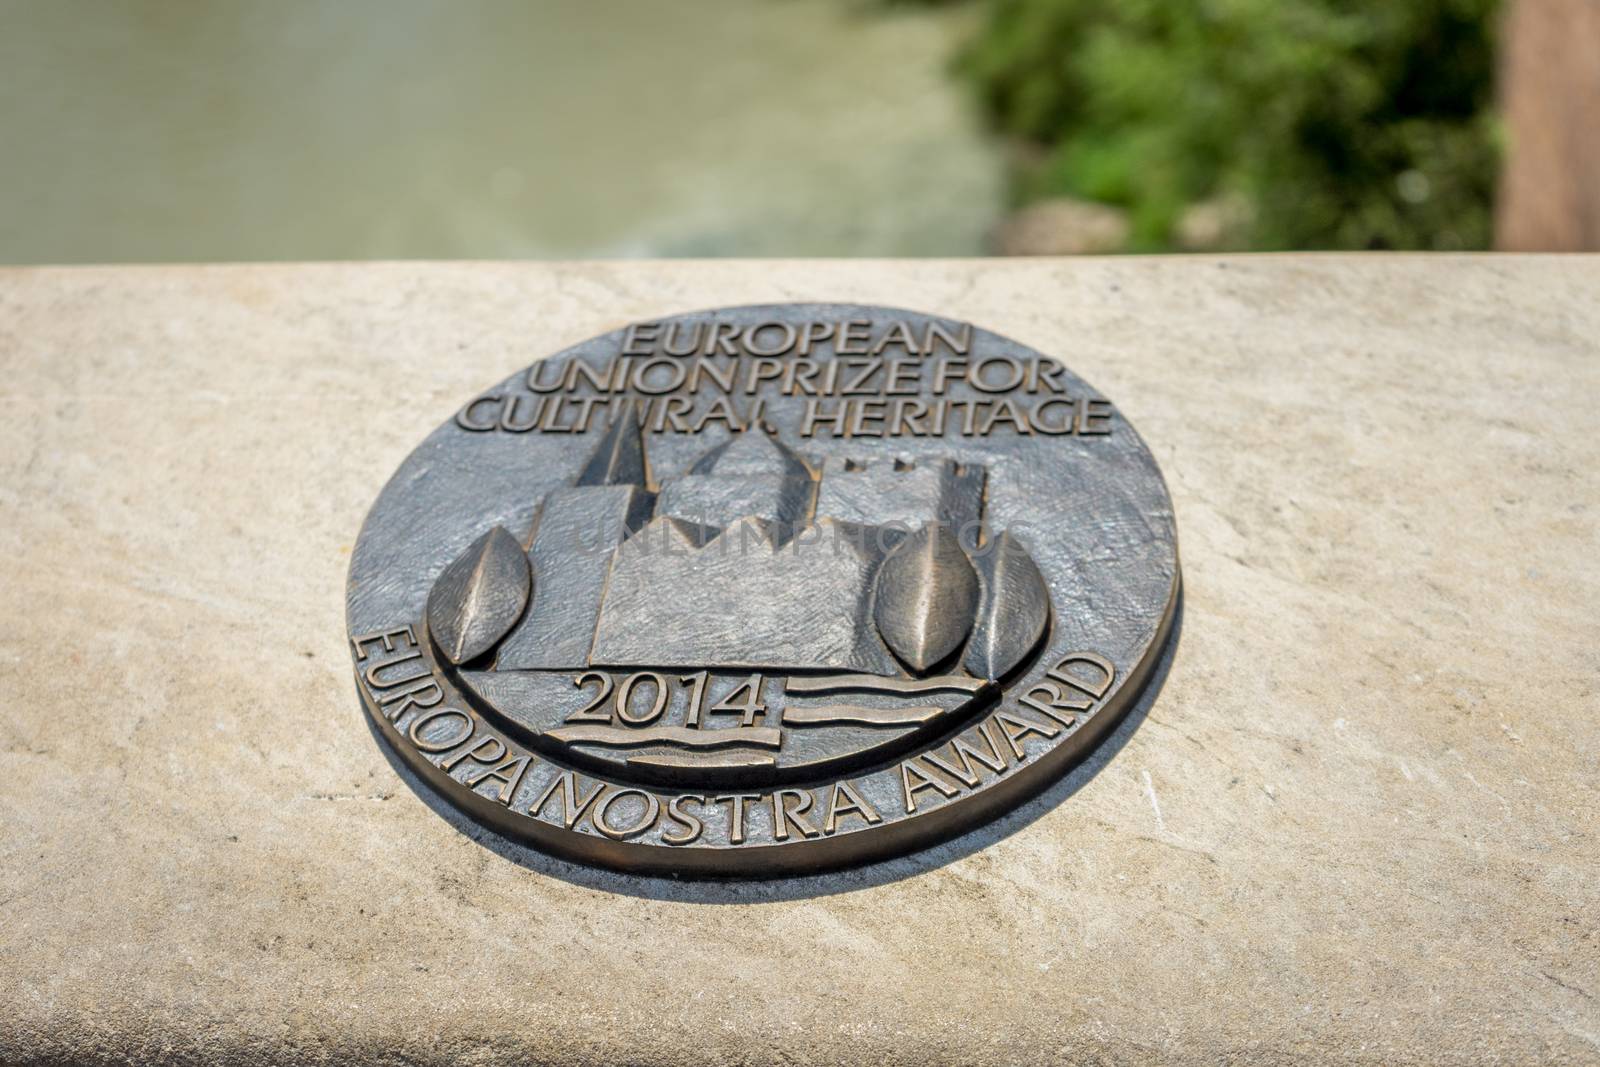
{"x": 1357, "y": 823}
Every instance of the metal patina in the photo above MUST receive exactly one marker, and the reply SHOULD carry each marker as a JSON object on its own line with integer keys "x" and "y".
{"x": 763, "y": 590}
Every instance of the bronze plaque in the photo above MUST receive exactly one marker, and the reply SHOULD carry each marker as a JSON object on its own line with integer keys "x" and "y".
{"x": 763, "y": 590}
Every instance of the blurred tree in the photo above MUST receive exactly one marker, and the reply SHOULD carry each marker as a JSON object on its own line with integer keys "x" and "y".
{"x": 1266, "y": 124}
{"x": 1550, "y": 89}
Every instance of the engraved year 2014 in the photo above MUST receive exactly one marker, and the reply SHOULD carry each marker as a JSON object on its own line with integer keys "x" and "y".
{"x": 641, "y": 698}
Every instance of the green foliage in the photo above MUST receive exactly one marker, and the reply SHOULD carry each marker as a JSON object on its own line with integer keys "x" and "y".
{"x": 1334, "y": 123}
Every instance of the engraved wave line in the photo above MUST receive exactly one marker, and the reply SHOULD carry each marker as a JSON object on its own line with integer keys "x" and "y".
{"x": 697, "y": 762}
{"x": 840, "y": 714}
{"x": 686, "y": 736}
{"x": 871, "y": 683}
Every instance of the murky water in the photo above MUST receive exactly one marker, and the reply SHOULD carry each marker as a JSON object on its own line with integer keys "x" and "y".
{"x": 223, "y": 129}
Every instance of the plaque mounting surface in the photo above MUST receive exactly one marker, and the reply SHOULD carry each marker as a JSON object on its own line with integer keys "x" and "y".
{"x": 762, "y": 590}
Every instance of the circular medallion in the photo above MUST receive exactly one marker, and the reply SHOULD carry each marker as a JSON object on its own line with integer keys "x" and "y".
{"x": 763, "y": 590}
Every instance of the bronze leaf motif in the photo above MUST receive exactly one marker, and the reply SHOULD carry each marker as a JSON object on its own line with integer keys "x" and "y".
{"x": 480, "y": 596}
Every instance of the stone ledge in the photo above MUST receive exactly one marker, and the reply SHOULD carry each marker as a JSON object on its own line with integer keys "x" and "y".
{"x": 1357, "y": 822}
